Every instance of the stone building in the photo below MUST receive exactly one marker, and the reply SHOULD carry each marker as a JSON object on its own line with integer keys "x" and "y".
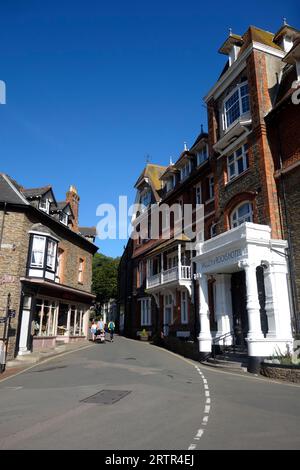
{"x": 238, "y": 282}
{"x": 45, "y": 268}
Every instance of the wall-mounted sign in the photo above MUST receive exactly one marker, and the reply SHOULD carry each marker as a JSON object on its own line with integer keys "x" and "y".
{"x": 7, "y": 279}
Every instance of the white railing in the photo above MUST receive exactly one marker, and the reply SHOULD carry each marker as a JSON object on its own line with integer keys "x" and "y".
{"x": 169, "y": 275}
{"x": 185, "y": 272}
{"x": 153, "y": 281}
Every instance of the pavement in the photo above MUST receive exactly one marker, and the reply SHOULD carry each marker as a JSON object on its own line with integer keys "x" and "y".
{"x": 132, "y": 395}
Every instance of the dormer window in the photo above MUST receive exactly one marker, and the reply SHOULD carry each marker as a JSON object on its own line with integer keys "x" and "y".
{"x": 236, "y": 105}
{"x": 146, "y": 198}
{"x": 64, "y": 218}
{"x": 170, "y": 184}
{"x": 44, "y": 205}
{"x": 185, "y": 171}
{"x": 202, "y": 155}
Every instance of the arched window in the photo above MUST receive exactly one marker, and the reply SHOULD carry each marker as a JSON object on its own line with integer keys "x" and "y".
{"x": 242, "y": 213}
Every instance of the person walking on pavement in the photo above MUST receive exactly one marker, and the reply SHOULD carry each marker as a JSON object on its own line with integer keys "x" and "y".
{"x": 93, "y": 330}
{"x": 111, "y": 329}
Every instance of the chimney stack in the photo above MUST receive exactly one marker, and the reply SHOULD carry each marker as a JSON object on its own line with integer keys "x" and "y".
{"x": 73, "y": 199}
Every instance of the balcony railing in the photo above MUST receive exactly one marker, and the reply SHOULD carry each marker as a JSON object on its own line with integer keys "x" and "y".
{"x": 173, "y": 274}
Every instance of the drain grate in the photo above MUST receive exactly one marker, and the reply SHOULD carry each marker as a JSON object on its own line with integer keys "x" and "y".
{"x": 106, "y": 397}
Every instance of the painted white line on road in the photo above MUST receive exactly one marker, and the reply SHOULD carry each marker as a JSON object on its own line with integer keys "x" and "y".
{"x": 206, "y": 409}
{"x": 192, "y": 447}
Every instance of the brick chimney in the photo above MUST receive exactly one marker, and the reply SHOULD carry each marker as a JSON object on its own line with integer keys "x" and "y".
{"x": 73, "y": 199}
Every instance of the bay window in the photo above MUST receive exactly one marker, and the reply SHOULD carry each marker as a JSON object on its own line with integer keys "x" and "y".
{"x": 237, "y": 162}
{"x": 42, "y": 259}
{"x": 236, "y": 104}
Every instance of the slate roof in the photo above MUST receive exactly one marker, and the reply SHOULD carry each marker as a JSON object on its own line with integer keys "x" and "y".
{"x": 9, "y": 191}
{"x": 88, "y": 231}
{"x": 34, "y": 192}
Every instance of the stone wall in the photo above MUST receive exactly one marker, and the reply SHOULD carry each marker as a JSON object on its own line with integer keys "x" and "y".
{"x": 281, "y": 373}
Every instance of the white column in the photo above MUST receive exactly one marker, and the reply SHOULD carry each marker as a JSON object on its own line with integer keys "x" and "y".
{"x": 161, "y": 268}
{"x": 281, "y": 301}
{"x": 86, "y": 319}
{"x": 41, "y": 318}
{"x": 69, "y": 321}
{"x": 271, "y": 304}
{"x": 179, "y": 261}
{"x": 75, "y": 320}
{"x": 253, "y": 306}
{"x": 24, "y": 333}
{"x": 223, "y": 307}
{"x": 205, "y": 334}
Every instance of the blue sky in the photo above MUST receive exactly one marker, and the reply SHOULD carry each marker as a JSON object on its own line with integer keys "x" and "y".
{"x": 94, "y": 87}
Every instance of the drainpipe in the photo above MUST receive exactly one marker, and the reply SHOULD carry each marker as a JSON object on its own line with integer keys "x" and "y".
{"x": 2, "y": 225}
{"x": 290, "y": 253}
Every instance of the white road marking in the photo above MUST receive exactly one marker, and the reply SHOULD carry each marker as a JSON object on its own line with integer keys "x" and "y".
{"x": 206, "y": 410}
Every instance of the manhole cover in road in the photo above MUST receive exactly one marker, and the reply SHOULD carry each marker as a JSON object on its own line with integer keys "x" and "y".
{"x": 130, "y": 358}
{"x": 106, "y": 397}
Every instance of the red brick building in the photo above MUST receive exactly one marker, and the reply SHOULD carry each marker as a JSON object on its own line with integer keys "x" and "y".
{"x": 235, "y": 283}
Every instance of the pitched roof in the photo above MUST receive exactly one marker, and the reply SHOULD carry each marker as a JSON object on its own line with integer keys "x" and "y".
{"x": 88, "y": 231}
{"x": 34, "y": 192}
{"x": 9, "y": 191}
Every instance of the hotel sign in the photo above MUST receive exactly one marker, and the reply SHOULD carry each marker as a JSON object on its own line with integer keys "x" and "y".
{"x": 230, "y": 257}
{"x": 6, "y": 279}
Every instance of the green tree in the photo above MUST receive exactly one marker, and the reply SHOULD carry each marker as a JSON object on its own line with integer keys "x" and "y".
{"x": 105, "y": 277}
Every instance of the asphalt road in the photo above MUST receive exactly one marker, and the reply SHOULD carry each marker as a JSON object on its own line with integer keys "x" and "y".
{"x": 164, "y": 402}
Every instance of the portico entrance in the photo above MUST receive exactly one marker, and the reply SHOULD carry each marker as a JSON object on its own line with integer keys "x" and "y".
{"x": 252, "y": 302}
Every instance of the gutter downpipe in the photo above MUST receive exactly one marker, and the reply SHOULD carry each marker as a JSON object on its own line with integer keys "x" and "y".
{"x": 2, "y": 225}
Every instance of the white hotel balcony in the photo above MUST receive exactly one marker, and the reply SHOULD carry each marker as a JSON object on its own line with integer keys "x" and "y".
{"x": 168, "y": 269}
{"x": 170, "y": 276}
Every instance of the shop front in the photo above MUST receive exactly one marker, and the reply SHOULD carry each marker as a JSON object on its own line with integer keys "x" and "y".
{"x": 52, "y": 314}
{"x": 251, "y": 292}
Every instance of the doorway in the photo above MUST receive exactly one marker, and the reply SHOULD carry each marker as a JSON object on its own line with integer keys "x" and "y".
{"x": 239, "y": 308}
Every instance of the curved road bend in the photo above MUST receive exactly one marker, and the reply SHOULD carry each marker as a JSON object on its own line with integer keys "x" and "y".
{"x": 164, "y": 402}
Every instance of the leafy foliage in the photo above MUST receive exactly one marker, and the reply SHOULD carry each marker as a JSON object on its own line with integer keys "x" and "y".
{"x": 105, "y": 277}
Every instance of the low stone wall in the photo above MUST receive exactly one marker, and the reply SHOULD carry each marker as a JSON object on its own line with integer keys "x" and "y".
{"x": 187, "y": 349}
{"x": 281, "y": 372}
{"x": 41, "y": 342}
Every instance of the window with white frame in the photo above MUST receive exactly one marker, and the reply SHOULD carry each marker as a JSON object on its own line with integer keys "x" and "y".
{"x": 211, "y": 187}
{"x": 185, "y": 171}
{"x": 202, "y": 155}
{"x": 184, "y": 312}
{"x": 59, "y": 264}
{"x": 198, "y": 191}
{"x": 242, "y": 213}
{"x": 237, "y": 162}
{"x": 236, "y": 104}
{"x": 145, "y": 312}
{"x": 64, "y": 218}
{"x": 38, "y": 251}
{"x": 170, "y": 183}
{"x": 80, "y": 270}
{"x": 44, "y": 205}
{"x": 51, "y": 254}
